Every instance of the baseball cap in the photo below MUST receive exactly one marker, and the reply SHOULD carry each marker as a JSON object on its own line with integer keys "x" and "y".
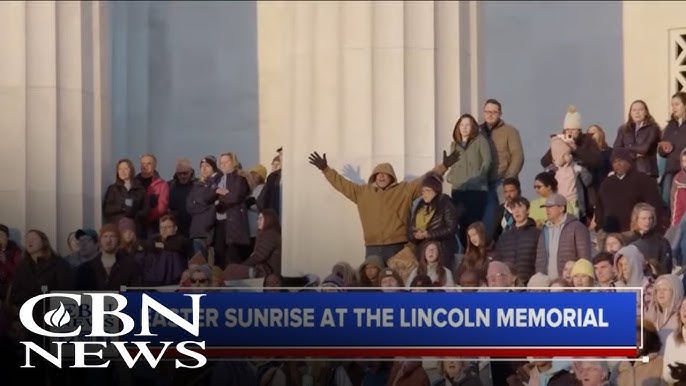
{"x": 87, "y": 232}
{"x": 555, "y": 200}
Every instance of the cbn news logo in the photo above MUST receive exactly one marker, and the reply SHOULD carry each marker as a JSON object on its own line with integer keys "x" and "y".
{"x": 101, "y": 313}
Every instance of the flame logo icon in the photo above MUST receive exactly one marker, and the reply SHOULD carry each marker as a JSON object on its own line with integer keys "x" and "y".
{"x": 57, "y": 317}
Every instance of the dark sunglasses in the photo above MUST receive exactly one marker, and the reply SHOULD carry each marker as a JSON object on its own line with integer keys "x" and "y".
{"x": 200, "y": 281}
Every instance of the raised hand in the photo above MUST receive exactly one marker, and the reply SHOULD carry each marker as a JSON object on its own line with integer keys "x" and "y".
{"x": 450, "y": 159}
{"x": 318, "y": 161}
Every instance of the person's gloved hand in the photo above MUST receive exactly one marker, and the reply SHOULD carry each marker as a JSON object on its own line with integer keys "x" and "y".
{"x": 678, "y": 371}
{"x": 450, "y": 159}
{"x": 318, "y": 161}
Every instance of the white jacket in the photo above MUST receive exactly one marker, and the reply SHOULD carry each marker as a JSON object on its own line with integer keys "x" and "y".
{"x": 673, "y": 354}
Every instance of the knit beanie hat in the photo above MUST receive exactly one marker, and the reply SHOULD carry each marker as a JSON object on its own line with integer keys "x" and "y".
{"x": 434, "y": 183}
{"x": 572, "y": 119}
{"x": 210, "y": 160}
{"x": 583, "y": 267}
{"x": 127, "y": 224}
{"x": 4, "y": 229}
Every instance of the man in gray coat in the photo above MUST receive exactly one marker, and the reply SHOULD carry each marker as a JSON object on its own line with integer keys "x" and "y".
{"x": 564, "y": 238}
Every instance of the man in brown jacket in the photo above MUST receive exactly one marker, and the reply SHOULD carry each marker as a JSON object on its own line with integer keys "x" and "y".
{"x": 507, "y": 154}
{"x": 564, "y": 238}
{"x": 383, "y": 203}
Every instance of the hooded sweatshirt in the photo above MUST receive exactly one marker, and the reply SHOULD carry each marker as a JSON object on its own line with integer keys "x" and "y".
{"x": 666, "y": 320}
{"x": 637, "y": 278}
{"x": 376, "y": 261}
{"x": 383, "y": 212}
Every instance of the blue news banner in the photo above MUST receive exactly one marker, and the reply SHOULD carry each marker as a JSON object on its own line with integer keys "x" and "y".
{"x": 307, "y": 319}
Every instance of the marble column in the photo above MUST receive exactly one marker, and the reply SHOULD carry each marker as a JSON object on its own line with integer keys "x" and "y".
{"x": 53, "y": 115}
{"x": 364, "y": 82}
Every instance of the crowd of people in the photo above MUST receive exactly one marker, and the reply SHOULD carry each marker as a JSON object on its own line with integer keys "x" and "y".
{"x": 604, "y": 217}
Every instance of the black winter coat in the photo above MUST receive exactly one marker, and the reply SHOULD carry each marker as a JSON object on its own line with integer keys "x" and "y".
{"x": 270, "y": 196}
{"x": 53, "y": 272}
{"x": 442, "y": 228}
{"x": 114, "y": 207}
{"x": 518, "y": 246}
{"x": 642, "y": 145}
{"x": 92, "y": 276}
{"x": 616, "y": 200}
{"x": 178, "y": 194}
{"x": 201, "y": 208}
{"x": 233, "y": 204}
{"x": 653, "y": 246}
{"x": 676, "y": 135}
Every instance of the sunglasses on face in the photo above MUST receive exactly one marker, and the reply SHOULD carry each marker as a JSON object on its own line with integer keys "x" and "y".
{"x": 198, "y": 281}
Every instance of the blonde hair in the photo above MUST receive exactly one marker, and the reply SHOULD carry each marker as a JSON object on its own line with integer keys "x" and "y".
{"x": 638, "y": 208}
{"x": 234, "y": 159}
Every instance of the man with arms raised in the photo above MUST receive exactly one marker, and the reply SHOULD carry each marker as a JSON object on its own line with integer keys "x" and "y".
{"x": 383, "y": 203}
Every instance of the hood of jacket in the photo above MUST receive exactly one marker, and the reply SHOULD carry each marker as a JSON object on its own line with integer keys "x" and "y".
{"x": 383, "y": 168}
{"x": 636, "y": 262}
{"x": 677, "y": 286}
{"x": 373, "y": 260}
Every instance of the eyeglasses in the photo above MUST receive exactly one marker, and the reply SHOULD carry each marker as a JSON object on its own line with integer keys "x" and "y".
{"x": 198, "y": 281}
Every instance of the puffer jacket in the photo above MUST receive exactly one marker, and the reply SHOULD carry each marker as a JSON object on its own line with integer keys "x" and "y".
{"x": 518, "y": 246}
{"x": 266, "y": 258}
{"x": 471, "y": 171}
{"x": 507, "y": 153}
{"x": 442, "y": 227}
{"x": 200, "y": 205}
{"x": 178, "y": 194}
{"x": 383, "y": 212}
{"x": 642, "y": 144}
{"x": 574, "y": 244}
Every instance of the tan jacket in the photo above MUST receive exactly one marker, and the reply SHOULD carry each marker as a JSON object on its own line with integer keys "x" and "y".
{"x": 641, "y": 374}
{"x": 508, "y": 153}
{"x": 383, "y": 212}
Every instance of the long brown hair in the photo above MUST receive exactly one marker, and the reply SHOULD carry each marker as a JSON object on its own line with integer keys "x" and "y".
{"x": 423, "y": 265}
{"x": 475, "y": 257}
{"x": 46, "y": 250}
{"x": 649, "y": 118}
{"x": 679, "y": 332}
{"x": 599, "y": 138}
{"x": 132, "y": 170}
{"x": 457, "y": 136}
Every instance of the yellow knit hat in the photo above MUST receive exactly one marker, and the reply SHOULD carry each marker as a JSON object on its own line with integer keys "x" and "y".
{"x": 583, "y": 267}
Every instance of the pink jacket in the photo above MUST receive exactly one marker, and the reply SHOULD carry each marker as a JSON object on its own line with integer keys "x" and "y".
{"x": 678, "y": 195}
